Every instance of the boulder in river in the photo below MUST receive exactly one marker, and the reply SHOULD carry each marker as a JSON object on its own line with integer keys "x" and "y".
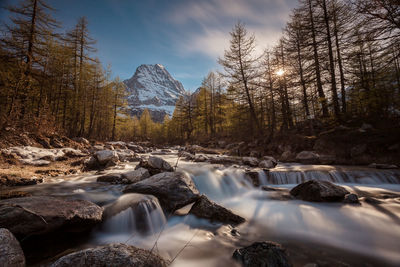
{"x": 174, "y": 190}
{"x": 204, "y": 208}
{"x": 308, "y": 157}
{"x": 155, "y": 165}
{"x": 262, "y": 254}
{"x": 104, "y": 157}
{"x": 319, "y": 191}
{"x": 128, "y": 177}
{"x": 117, "y": 255}
{"x": 251, "y": 161}
{"x": 11, "y": 254}
{"x": 351, "y": 199}
{"x": 268, "y": 162}
{"x": 42, "y": 214}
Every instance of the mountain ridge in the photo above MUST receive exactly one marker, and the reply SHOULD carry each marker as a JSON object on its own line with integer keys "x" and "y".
{"x": 152, "y": 87}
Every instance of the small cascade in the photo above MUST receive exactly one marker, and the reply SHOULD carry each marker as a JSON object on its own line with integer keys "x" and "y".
{"x": 134, "y": 213}
{"x": 335, "y": 176}
{"x": 218, "y": 184}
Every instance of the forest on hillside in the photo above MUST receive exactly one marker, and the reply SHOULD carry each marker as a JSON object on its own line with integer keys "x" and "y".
{"x": 337, "y": 62}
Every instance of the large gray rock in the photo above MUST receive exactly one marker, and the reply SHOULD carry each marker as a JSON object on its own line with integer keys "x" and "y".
{"x": 268, "y": 162}
{"x": 251, "y": 161}
{"x": 127, "y": 155}
{"x": 117, "y": 255}
{"x": 265, "y": 254}
{"x": 128, "y": 177}
{"x": 155, "y": 165}
{"x": 319, "y": 191}
{"x": 106, "y": 156}
{"x": 136, "y": 175}
{"x": 174, "y": 190}
{"x": 11, "y": 254}
{"x": 308, "y": 157}
{"x": 41, "y": 214}
{"x": 204, "y": 208}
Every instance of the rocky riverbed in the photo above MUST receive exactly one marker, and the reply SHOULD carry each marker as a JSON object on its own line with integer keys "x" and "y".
{"x": 129, "y": 204}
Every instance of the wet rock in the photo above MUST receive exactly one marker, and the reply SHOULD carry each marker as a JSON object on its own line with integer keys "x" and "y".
{"x": 118, "y": 144}
{"x": 41, "y": 214}
{"x": 186, "y": 155}
{"x": 106, "y": 156}
{"x": 308, "y": 157}
{"x": 262, "y": 254}
{"x": 11, "y": 254}
{"x": 351, "y": 199}
{"x": 200, "y": 158}
{"x": 127, "y": 155}
{"x": 204, "y": 208}
{"x": 113, "y": 178}
{"x": 136, "y": 175}
{"x": 91, "y": 164}
{"x": 383, "y": 166}
{"x": 136, "y": 148}
{"x": 251, "y": 161}
{"x": 268, "y": 162}
{"x": 117, "y": 255}
{"x": 174, "y": 190}
{"x": 155, "y": 165}
{"x": 73, "y": 153}
{"x": 319, "y": 191}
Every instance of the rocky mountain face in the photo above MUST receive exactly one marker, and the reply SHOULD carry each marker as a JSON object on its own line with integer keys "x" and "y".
{"x": 153, "y": 87}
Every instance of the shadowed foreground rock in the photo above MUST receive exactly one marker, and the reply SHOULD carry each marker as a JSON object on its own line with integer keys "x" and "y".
{"x": 11, "y": 254}
{"x": 174, "y": 190}
{"x": 117, "y": 255}
{"x": 39, "y": 215}
{"x": 204, "y": 208}
{"x": 319, "y": 191}
{"x": 262, "y": 254}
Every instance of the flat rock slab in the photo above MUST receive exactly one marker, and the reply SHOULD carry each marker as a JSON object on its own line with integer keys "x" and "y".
{"x": 204, "y": 208}
{"x": 319, "y": 191}
{"x": 174, "y": 190}
{"x": 41, "y": 214}
{"x": 262, "y": 254}
{"x": 11, "y": 254}
{"x": 117, "y": 255}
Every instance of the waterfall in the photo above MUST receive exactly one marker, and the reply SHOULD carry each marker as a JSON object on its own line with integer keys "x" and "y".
{"x": 134, "y": 213}
{"x": 335, "y": 176}
{"x": 221, "y": 184}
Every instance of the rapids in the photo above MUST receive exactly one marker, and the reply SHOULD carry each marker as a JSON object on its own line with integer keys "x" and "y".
{"x": 328, "y": 234}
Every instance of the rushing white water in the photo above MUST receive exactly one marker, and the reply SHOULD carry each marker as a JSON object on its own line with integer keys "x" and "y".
{"x": 133, "y": 214}
{"x": 310, "y": 231}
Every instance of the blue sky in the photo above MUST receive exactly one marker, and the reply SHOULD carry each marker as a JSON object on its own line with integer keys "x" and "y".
{"x": 186, "y": 36}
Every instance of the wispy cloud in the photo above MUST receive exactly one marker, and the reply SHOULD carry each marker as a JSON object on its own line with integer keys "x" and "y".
{"x": 212, "y": 20}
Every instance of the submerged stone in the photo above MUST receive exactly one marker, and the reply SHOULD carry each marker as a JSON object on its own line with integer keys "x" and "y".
{"x": 319, "y": 191}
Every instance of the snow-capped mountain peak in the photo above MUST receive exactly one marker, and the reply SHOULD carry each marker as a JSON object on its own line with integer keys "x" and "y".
{"x": 153, "y": 87}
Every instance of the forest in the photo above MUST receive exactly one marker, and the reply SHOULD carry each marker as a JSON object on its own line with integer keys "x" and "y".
{"x": 336, "y": 62}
